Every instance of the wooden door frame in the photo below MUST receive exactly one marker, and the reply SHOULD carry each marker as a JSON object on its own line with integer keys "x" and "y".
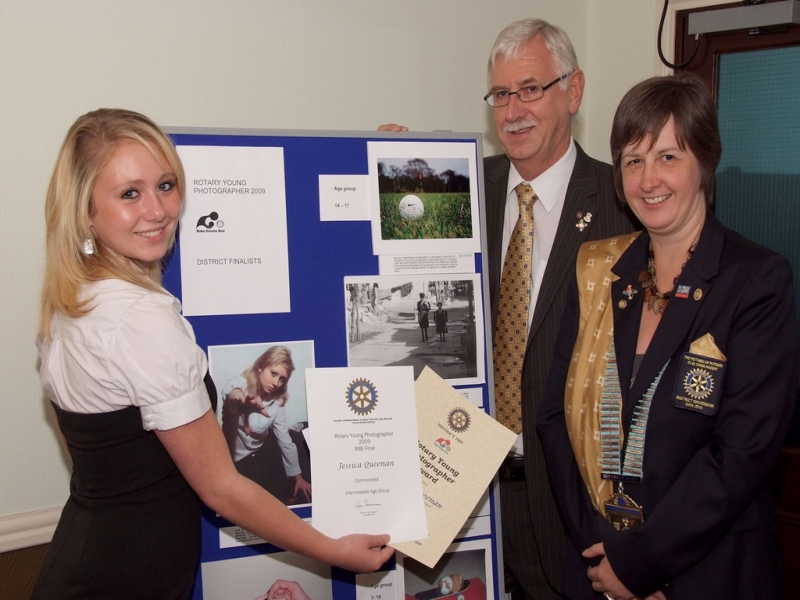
{"x": 706, "y": 63}
{"x": 668, "y": 35}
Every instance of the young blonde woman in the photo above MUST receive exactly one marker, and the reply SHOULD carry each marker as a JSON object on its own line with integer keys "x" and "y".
{"x": 125, "y": 377}
{"x": 253, "y": 411}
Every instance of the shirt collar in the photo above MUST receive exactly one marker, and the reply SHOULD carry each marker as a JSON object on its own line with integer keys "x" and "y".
{"x": 551, "y": 185}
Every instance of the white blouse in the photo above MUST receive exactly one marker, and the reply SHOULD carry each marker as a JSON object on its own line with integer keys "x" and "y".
{"x": 132, "y": 349}
{"x": 260, "y": 426}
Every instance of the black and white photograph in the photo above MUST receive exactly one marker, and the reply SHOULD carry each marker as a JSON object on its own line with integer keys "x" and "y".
{"x": 416, "y": 321}
{"x": 423, "y": 197}
{"x": 262, "y": 408}
{"x": 464, "y": 573}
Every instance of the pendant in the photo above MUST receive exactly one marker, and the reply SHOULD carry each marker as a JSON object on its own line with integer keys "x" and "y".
{"x": 622, "y": 512}
{"x": 658, "y": 305}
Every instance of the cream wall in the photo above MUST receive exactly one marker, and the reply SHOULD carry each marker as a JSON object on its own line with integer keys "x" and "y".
{"x": 347, "y": 65}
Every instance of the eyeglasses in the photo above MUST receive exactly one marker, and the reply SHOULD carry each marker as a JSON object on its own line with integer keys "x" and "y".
{"x": 526, "y": 94}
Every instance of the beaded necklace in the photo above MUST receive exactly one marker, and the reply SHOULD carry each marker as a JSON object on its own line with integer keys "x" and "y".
{"x": 656, "y": 301}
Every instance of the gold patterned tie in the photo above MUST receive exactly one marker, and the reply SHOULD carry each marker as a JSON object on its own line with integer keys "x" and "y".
{"x": 511, "y": 334}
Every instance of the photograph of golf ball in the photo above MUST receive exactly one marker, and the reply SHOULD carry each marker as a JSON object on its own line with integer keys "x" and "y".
{"x": 424, "y": 198}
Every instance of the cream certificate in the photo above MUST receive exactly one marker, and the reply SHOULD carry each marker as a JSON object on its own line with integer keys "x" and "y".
{"x": 364, "y": 465}
{"x": 460, "y": 449}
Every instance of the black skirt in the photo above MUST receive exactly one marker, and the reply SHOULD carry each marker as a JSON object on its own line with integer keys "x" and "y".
{"x": 131, "y": 526}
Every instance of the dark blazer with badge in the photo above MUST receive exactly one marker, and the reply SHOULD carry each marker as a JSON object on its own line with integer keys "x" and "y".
{"x": 590, "y": 190}
{"x": 709, "y": 529}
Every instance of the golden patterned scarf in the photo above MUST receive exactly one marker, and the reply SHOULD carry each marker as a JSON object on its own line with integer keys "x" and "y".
{"x": 587, "y": 370}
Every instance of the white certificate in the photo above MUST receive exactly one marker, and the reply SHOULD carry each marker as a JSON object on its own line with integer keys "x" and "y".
{"x": 365, "y": 466}
{"x": 233, "y": 240}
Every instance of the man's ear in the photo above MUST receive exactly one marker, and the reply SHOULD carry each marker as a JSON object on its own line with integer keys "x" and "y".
{"x": 575, "y": 91}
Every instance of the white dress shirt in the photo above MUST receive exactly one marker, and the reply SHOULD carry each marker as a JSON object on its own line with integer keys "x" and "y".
{"x": 260, "y": 427}
{"x": 132, "y": 349}
{"x": 551, "y": 188}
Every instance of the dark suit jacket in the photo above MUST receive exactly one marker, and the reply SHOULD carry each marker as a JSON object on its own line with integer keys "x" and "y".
{"x": 591, "y": 190}
{"x": 709, "y": 527}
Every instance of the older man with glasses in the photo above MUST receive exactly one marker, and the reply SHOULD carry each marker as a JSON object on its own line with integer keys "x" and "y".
{"x": 544, "y": 198}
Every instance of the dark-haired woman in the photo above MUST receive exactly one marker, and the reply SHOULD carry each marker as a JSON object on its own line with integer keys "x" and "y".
{"x": 675, "y": 376}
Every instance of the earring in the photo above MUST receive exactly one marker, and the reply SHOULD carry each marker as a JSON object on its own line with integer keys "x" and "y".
{"x": 88, "y": 246}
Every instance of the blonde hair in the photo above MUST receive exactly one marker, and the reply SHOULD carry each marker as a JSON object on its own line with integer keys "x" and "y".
{"x": 88, "y": 147}
{"x": 273, "y": 357}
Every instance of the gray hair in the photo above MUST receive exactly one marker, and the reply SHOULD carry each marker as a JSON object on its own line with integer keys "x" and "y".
{"x": 519, "y": 33}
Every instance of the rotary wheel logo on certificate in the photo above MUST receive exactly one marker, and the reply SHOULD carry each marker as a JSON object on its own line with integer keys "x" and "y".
{"x": 458, "y": 420}
{"x": 362, "y": 396}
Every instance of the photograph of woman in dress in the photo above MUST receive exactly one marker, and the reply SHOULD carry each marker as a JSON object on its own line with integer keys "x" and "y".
{"x": 440, "y": 319}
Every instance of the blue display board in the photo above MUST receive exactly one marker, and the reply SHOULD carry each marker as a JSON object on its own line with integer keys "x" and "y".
{"x": 320, "y": 255}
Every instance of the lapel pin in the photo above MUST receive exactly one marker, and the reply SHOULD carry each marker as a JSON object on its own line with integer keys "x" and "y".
{"x": 622, "y": 304}
{"x": 682, "y": 291}
{"x": 629, "y": 292}
{"x": 698, "y": 293}
{"x": 583, "y": 220}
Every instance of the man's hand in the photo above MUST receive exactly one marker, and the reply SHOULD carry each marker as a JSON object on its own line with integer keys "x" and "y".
{"x": 393, "y": 127}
